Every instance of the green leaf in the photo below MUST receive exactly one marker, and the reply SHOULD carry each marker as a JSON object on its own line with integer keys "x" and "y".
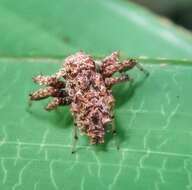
{"x": 152, "y": 116}
{"x": 49, "y": 28}
{"x": 153, "y": 119}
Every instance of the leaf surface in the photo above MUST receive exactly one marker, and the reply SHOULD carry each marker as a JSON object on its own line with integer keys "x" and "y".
{"x": 153, "y": 119}
{"x": 153, "y": 116}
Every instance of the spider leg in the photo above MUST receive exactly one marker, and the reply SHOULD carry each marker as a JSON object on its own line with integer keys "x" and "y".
{"x": 44, "y": 80}
{"x": 114, "y": 132}
{"x": 142, "y": 69}
{"x": 109, "y": 64}
{"x": 57, "y": 101}
{"x": 42, "y": 93}
{"x": 111, "y": 59}
{"x": 129, "y": 64}
{"x": 53, "y": 104}
{"x": 75, "y": 138}
{"x": 49, "y": 81}
{"x": 109, "y": 67}
{"x": 115, "y": 80}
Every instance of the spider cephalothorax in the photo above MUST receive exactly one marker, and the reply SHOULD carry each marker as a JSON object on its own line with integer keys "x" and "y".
{"x": 84, "y": 84}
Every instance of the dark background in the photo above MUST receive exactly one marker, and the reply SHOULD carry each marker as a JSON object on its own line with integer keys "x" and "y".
{"x": 179, "y": 11}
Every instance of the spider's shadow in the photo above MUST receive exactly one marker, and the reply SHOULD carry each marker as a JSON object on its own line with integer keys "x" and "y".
{"x": 59, "y": 117}
{"x": 124, "y": 94}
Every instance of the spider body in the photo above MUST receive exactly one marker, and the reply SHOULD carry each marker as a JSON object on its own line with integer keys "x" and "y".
{"x": 85, "y": 84}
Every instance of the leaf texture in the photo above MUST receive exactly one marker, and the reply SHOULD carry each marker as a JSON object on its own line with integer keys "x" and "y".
{"x": 153, "y": 119}
{"x": 152, "y": 116}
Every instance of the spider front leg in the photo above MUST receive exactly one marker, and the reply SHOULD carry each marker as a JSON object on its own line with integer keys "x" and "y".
{"x": 55, "y": 88}
{"x": 41, "y": 94}
{"x": 115, "y": 80}
{"x": 49, "y": 81}
{"x": 111, "y": 64}
{"x": 129, "y": 64}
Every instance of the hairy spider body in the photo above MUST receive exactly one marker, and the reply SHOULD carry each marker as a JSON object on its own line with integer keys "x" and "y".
{"x": 85, "y": 85}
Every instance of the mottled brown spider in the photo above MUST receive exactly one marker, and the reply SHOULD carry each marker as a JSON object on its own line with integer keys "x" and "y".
{"x": 84, "y": 84}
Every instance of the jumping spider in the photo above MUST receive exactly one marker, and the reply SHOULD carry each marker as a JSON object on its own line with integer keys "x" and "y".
{"x": 85, "y": 85}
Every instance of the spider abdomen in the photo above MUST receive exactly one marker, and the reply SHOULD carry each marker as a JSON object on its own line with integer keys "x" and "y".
{"x": 91, "y": 100}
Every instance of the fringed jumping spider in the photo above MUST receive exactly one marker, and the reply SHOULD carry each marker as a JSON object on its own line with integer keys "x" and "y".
{"x": 85, "y": 84}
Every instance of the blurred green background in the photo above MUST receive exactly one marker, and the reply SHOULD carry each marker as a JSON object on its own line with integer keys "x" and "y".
{"x": 153, "y": 116}
{"x": 179, "y": 11}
